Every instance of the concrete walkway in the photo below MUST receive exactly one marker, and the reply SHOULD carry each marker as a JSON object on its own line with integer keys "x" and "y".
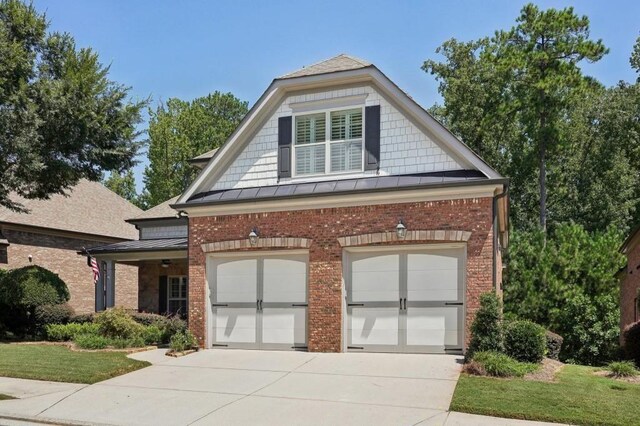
{"x": 257, "y": 388}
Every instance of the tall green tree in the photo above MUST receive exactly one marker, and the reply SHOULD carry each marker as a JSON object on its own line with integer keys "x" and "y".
{"x": 180, "y": 130}
{"x": 124, "y": 184}
{"x": 61, "y": 118}
{"x": 531, "y": 72}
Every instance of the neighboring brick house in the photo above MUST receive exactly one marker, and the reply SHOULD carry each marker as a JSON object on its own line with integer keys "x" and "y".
{"x": 52, "y": 232}
{"x": 339, "y": 216}
{"x": 630, "y": 281}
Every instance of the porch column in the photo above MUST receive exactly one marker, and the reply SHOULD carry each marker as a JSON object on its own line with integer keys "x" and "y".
{"x": 99, "y": 287}
{"x": 110, "y": 283}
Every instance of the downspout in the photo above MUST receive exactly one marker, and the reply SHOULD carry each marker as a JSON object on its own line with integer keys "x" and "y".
{"x": 496, "y": 232}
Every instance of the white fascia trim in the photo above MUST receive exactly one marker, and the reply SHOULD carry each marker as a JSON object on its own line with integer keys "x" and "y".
{"x": 346, "y": 200}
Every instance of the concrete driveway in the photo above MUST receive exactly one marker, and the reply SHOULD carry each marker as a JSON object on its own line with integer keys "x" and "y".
{"x": 258, "y": 387}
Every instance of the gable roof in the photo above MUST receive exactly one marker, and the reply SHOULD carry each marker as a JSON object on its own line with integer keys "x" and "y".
{"x": 161, "y": 211}
{"x": 342, "y": 62}
{"x": 342, "y": 69}
{"x": 89, "y": 208}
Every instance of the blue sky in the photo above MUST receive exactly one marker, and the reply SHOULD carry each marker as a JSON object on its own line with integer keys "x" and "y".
{"x": 187, "y": 49}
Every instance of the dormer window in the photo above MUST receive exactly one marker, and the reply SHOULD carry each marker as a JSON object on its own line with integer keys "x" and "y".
{"x": 328, "y": 142}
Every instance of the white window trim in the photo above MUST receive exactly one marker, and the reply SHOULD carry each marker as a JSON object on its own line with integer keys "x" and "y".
{"x": 183, "y": 282}
{"x": 327, "y": 143}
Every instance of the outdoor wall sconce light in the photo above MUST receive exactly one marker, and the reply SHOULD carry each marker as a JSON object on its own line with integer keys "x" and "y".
{"x": 253, "y": 237}
{"x": 30, "y": 258}
{"x": 401, "y": 230}
{"x": 165, "y": 263}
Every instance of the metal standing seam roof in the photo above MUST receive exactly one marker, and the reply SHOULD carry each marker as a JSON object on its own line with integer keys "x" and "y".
{"x": 337, "y": 186}
{"x": 163, "y": 244}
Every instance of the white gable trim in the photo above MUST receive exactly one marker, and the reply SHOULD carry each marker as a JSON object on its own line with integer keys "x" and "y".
{"x": 274, "y": 94}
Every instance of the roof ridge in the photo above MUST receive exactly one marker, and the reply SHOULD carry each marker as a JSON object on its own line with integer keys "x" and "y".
{"x": 360, "y": 62}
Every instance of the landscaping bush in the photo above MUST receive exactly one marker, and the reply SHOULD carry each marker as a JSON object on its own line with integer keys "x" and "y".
{"x": 82, "y": 318}
{"x": 622, "y": 369}
{"x": 92, "y": 341}
{"x": 500, "y": 365}
{"x": 152, "y": 335}
{"x": 23, "y": 290}
{"x": 172, "y": 326}
{"x": 486, "y": 330}
{"x": 525, "y": 341}
{"x": 632, "y": 342}
{"x": 145, "y": 318}
{"x": 66, "y": 332}
{"x": 116, "y": 323}
{"x": 182, "y": 341}
{"x": 134, "y": 342}
{"x": 52, "y": 314}
{"x": 554, "y": 344}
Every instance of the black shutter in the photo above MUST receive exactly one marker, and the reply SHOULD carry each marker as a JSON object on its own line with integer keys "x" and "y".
{"x": 162, "y": 293}
{"x": 372, "y": 137}
{"x": 284, "y": 147}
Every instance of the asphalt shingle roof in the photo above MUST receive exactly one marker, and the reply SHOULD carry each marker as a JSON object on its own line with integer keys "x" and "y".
{"x": 161, "y": 211}
{"x": 89, "y": 208}
{"x": 142, "y": 245}
{"x": 341, "y": 62}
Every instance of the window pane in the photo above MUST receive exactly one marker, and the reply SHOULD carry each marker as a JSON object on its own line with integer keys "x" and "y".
{"x": 346, "y": 124}
{"x": 346, "y": 156}
{"x": 310, "y": 159}
{"x": 310, "y": 128}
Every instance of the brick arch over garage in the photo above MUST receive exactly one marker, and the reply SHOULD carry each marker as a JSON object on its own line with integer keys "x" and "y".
{"x": 411, "y": 236}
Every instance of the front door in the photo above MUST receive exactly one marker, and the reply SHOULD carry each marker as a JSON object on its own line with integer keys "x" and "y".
{"x": 405, "y": 300}
{"x": 259, "y": 302}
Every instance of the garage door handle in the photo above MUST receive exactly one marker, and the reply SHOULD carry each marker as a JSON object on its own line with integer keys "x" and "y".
{"x": 300, "y": 304}
{"x": 355, "y": 304}
{"x": 219, "y": 304}
{"x": 453, "y": 303}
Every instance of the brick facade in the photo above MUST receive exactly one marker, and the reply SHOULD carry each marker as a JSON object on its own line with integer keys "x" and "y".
{"x": 58, "y": 253}
{"x": 149, "y": 273}
{"x": 323, "y": 227}
{"x": 629, "y": 287}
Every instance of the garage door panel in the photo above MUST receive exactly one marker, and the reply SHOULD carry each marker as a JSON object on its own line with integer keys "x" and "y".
{"x": 375, "y": 326}
{"x": 285, "y": 280}
{"x": 284, "y": 326}
{"x": 433, "y": 326}
{"x": 235, "y": 325}
{"x": 236, "y": 281}
{"x": 375, "y": 278}
{"x": 433, "y": 277}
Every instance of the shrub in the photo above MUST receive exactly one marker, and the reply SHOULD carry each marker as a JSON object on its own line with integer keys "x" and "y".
{"x": 91, "y": 341}
{"x": 116, "y": 323}
{"x": 152, "y": 335}
{"x": 145, "y": 318}
{"x": 632, "y": 342}
{"x": 501, "y": 365}
{"x": 554, "y": 344}
{"x": 66, "y": 332}
{"x": 622, "y": 369}
{"x": 26, "y": 288}
{"x": 486, "y": 330}
{"x": 525, "y": 341}
{"x": 82, "y": 318}
{"x": 53, "y": 314}
{"x": 173, "y": 325}
{"x": 183, "y": 341}
{"x": 134, "y": 342}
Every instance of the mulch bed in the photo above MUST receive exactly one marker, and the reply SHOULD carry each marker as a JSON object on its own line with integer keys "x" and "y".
{"x": 547, "y": 371}
{"x": 632, "y": 379}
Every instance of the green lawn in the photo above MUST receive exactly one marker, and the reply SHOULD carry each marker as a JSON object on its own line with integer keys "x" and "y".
{"x": 60, "y": 364}
{"x": 579, "y": 398}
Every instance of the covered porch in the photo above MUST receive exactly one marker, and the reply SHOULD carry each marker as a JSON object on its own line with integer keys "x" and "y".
{"x": 162, "y": 274}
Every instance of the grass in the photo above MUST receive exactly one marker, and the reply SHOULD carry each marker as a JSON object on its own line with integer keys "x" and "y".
{"x": 579, "y": 397}
{"x": 60, "y": 364}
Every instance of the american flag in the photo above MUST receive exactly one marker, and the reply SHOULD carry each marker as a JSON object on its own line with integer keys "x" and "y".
{"x": 94, "y": 267}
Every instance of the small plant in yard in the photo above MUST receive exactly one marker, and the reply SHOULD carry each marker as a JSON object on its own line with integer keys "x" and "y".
{"x": 554, "y": 345}
{"x": 486, "y": 329}
{"x": 500, "y": 365}
{"x": 631, "y": 337}
{"x": 92, "y": 341}
{"x": 152, "y": 335}
{"x": 622, "y": 369}
{"x": 116, "y": 323}
{"x": 66, "y": 332}
{"x": 525, "y": 341}
{"x": 183, "y": 341}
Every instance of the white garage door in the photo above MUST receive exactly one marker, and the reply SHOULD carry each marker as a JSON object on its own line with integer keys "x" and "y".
{"x": 405, "y": 300}
{"x": 259, "y": 302}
